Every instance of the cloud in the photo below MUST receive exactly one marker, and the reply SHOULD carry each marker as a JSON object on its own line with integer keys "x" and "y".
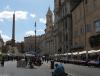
{"x": 40, "y": 30}
{"x": 4, "y": 36}
{"x": 33, "y": 15}
{"x": 6, "y": 14}
{"x": 42, "y": 20}
{"x": 7, "y": 7}
{"x": 1, "y": 20}
{"x": 0, "y": 32}
{"x": 20, "y": 15}
{"x": 29, "y": 33}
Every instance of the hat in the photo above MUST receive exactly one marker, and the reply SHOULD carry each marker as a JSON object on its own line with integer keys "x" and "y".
{"x": 56, "y": 65}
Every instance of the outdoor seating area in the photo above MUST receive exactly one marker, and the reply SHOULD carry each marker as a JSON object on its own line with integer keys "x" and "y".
{"x": 80, "y": 58}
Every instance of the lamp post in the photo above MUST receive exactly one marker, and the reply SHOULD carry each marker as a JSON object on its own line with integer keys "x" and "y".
{"x": 69, "y": 22}
{"x": 35, "y": 36}
{"x": 85, "y": 29}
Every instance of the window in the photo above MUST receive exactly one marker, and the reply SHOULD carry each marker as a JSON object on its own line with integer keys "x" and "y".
{"x": 82, "y": 30}
{"x": 75, "y": 44}
{"x": 97, "y": 26}
{"x": 76, "y": 33}
{"x": 88, "y": 28}
{"x": 65, "y": 23}
{"x": 81, "y": 14}
{"x": 94, "y": 4}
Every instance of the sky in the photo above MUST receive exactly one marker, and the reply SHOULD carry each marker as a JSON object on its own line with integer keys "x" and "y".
{"x": 26, "y": 13}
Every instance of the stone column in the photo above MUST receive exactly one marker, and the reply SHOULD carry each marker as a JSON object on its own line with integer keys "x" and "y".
{"x": 13, "y": 31}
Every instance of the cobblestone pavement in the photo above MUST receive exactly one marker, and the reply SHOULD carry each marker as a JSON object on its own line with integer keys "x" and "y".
{"x": 10, "y": 69}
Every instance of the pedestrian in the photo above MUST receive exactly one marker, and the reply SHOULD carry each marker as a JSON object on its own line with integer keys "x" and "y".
{"x": 47, "y": 60}
{"x": 31, "y": 64}
{"x": 2, "y": 61}
{"x": 52, "y": 64}
{"x": 59, "y": 70}
{"x": 26, "y": 60}
{"x": 62, "y": 67}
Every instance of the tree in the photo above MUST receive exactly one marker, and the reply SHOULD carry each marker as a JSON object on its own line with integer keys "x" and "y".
{"x": 4, "y": 49}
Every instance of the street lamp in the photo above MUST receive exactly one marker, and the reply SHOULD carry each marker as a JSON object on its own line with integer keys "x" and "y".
{"x": 35, "y": 36}
{"x": 85, "y": 29}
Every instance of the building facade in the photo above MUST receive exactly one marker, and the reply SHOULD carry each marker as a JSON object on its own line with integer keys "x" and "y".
{"x": 59, "y": 26}
{"x": 43, "y": 46}
{"x": 29, "y": 43}
{"x": 1, "y": 43}
{"x": 40, "y": 45}
{"x": 86, "y": 29}
{"x": 63, "y": 24}
{"x": 49, "y": 32}
{"x": 86, "y": 25}
{"x": 20, "y": 47}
